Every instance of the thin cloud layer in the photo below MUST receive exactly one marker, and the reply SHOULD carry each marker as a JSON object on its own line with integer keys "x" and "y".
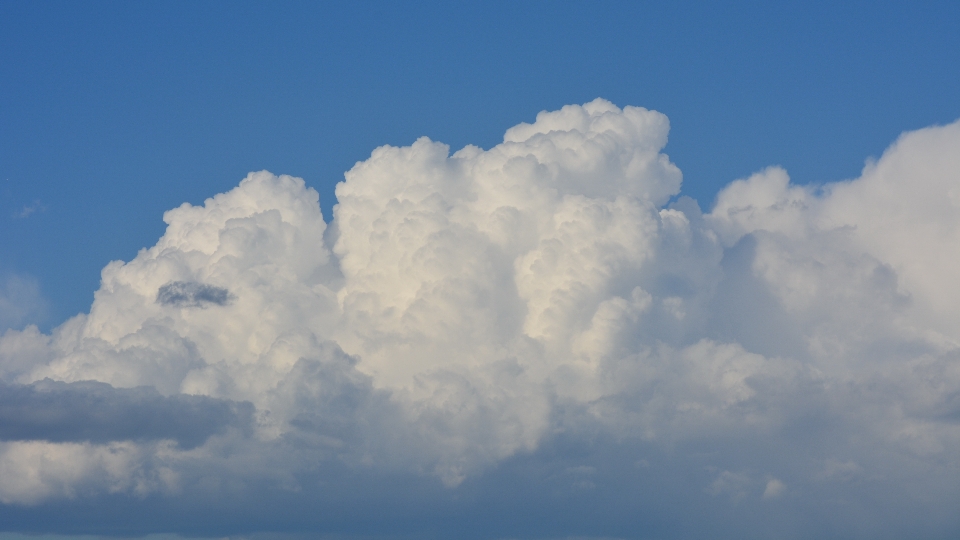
{"x": 788, "y": 363}
{"x": 21, "y": 301}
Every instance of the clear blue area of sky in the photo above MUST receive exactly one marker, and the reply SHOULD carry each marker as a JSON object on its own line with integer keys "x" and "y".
{"x": 112, "y": 112}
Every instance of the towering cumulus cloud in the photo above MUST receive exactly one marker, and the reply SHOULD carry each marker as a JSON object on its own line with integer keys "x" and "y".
{"x": 788, "y": 363}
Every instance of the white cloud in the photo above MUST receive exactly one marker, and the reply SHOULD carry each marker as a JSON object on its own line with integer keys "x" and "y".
{"x": 464, "y": 311}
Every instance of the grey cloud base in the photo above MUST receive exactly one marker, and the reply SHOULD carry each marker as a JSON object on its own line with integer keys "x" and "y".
{"x": 95, "y": 412}
{"x": 525, "y": 341}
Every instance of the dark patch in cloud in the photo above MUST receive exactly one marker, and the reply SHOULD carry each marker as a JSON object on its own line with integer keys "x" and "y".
{"x": 97, "y": 412}
{"x": 193, "y": 294}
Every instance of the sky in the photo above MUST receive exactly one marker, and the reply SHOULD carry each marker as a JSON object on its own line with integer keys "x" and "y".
{"x": 498, "y": 270}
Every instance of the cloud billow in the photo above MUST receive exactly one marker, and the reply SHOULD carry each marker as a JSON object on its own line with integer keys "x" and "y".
{"x": 540, "y": 311}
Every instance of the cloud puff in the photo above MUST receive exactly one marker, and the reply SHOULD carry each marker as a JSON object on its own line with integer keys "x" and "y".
{"x": 538, "y": 310}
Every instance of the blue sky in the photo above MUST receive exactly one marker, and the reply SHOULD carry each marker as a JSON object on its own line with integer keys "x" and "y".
{"x": 537, "y": 336}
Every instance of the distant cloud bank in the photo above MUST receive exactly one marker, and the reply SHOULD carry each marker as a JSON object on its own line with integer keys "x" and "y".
{"x": 788, "y": 363}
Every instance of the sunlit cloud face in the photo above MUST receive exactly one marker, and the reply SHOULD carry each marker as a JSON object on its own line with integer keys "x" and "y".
{"x": 547, "y": 310}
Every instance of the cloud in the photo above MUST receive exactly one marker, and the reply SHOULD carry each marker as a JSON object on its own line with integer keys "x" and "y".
{"x": 21, "y": 301}
{"x": 774, "y": 489}
{"x": 96, "y": 412}
{"x": 187, "y": 294}
{"x": 510, "y": 332}
{"x": 29, "y": 209}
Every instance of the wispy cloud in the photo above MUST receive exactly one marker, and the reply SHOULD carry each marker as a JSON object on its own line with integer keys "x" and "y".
{"x": 21, "y": 301}
{"x": 29, "y": 209}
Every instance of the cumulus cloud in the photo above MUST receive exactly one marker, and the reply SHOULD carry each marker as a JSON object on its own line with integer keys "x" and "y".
{"x": 537, "y": 310}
